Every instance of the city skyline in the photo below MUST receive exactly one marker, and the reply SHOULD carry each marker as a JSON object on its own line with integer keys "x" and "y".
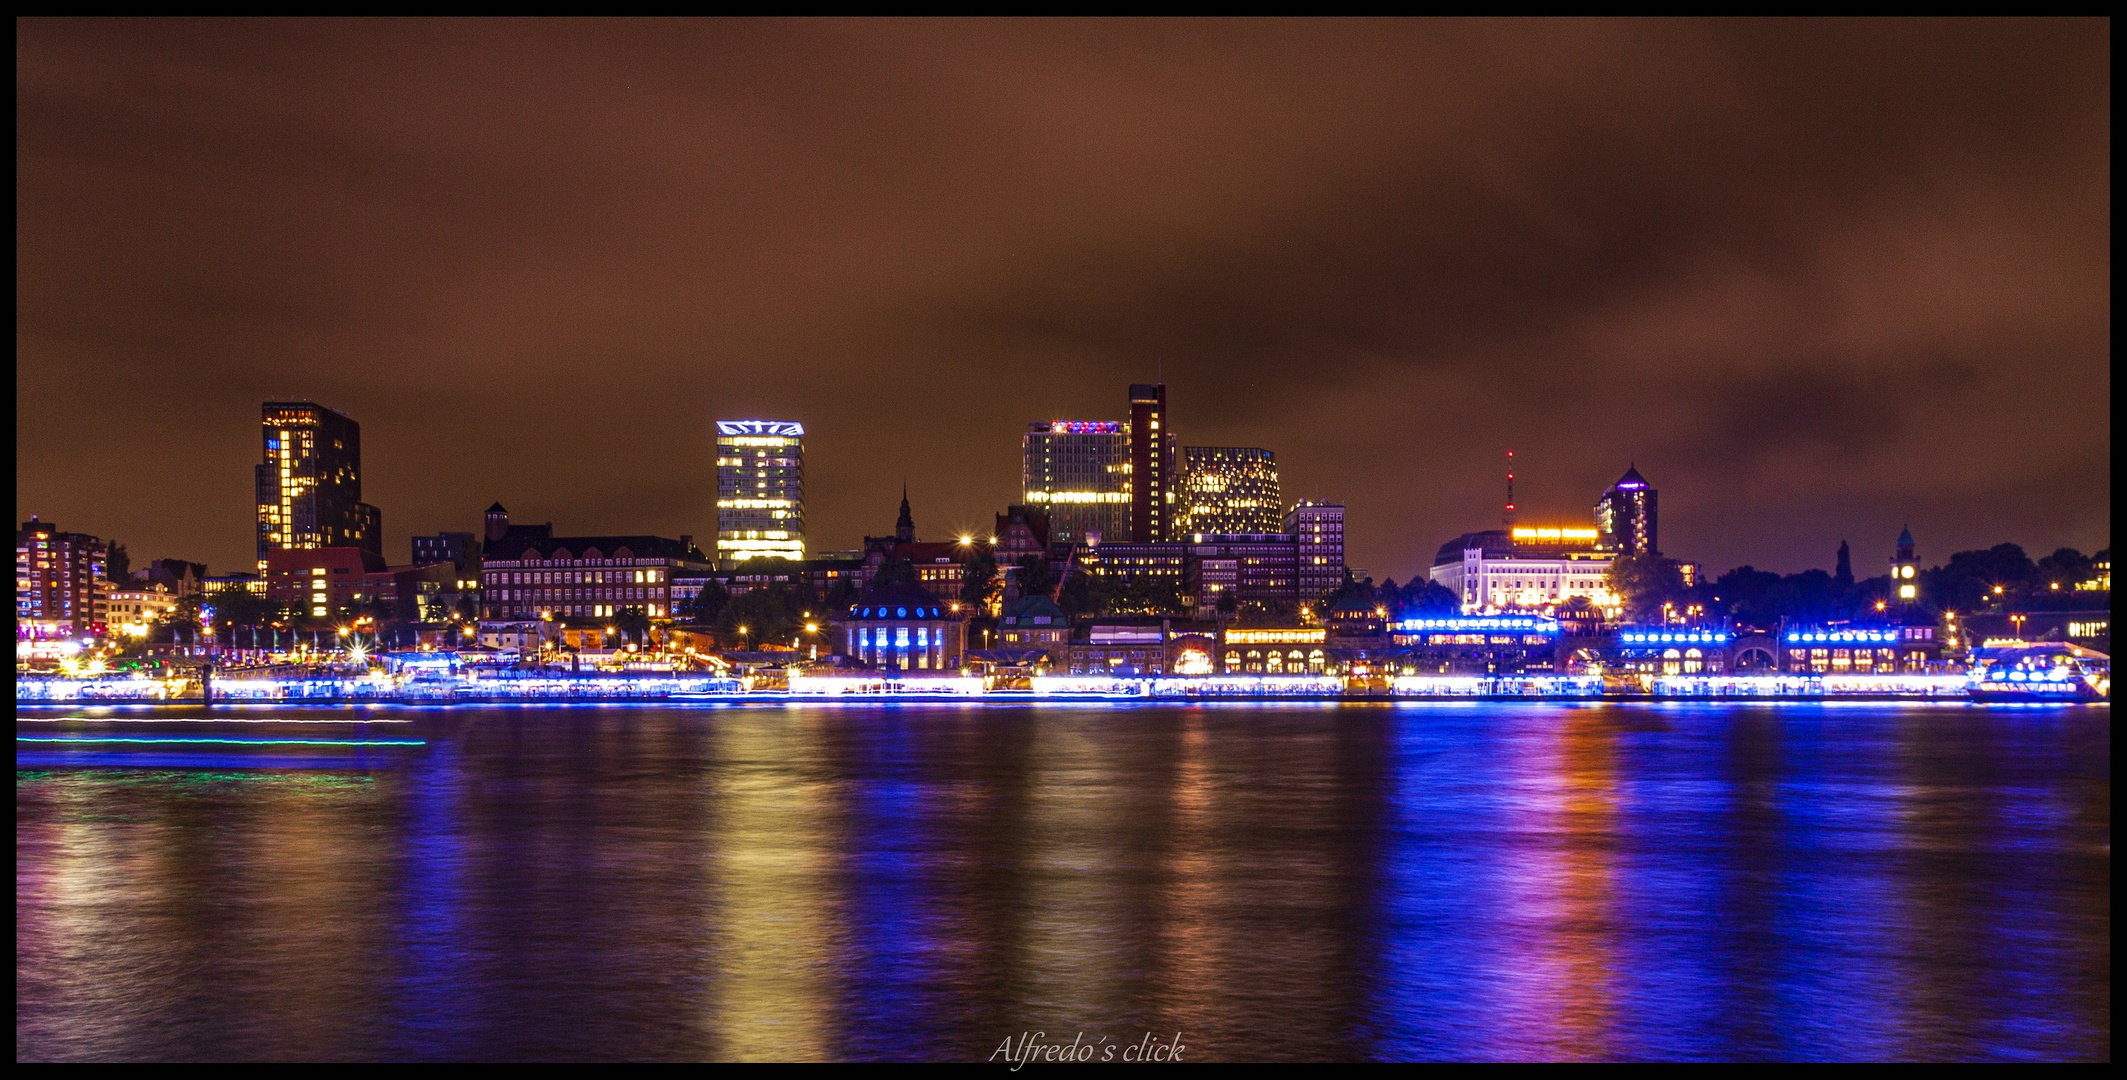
{"x": 1860, "y": 317}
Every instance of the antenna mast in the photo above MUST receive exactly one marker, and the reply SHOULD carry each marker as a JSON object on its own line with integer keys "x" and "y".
{"x": 1510, "y": 490}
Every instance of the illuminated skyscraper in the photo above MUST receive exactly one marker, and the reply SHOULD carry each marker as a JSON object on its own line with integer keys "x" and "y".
{"x": 760, "y": 489}
{"x": 1226, "y": 489}
{"x": 310, "y": 485}
{"x": 1079, "y": 472}
{"x": 1625, "y": 517}
{"x": 1151, "y": 459}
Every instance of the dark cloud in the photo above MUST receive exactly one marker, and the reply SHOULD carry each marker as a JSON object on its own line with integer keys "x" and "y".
{"x": 1816, "y": 279}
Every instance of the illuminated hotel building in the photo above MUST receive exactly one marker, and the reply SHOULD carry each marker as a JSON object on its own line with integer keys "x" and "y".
{"x": 760, "y": 490}
{"x": 59, "y": 584}
{"x": 1078, "y": 471}
{"x": 1625, "y": 517}
{"x": 1318, "y": 530}
{"x": 1226, "y": 489}
{"x": 1528, "y": 568}
{"x": 1151, "y": 463}
{"x": 310, "y": 485}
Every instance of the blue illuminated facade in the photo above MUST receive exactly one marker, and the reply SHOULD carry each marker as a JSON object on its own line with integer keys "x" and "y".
{"x": 1479, "y": 644}
{"x": 902, "y": 627}
{"x": 1840, "y": 649}
{"x": 1666, "y": 650}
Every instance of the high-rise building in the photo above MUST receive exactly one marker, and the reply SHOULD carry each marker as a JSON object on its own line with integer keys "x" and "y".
{"x": 760, "y": 490}
{"x": 59, "y": 582}
{"x": 1318, "y": 528}
{"x": 1226, "y": 489}
{"x": 310, "y": 485}
{"x": 1151, "y": 459}
{"x": 1625, "y": 517}
{"x": 1078, "y": 471}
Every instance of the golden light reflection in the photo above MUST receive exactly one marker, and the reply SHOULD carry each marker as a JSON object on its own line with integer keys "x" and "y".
{"x": 1559, "y": 989}
{"x": 1187, "y": 940}
{"x": 773, "y": 852}
{"x": 1073, "y": 963}
{"x": 1584, "y": 943}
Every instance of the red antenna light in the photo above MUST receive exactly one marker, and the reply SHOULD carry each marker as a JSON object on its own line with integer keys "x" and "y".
{"x": 1510, "y": 489}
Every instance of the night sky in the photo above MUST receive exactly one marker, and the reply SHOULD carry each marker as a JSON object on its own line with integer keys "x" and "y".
{"x": 1817, "y": 280}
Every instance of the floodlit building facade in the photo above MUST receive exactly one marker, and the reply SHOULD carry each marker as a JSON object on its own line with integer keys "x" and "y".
{"x": 902, "y": 627}
{"x": 1528, "y": 568}
{"x": 760, "y": 490}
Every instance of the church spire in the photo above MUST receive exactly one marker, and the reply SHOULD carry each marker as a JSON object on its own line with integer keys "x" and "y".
{"x": 905, "y": 525}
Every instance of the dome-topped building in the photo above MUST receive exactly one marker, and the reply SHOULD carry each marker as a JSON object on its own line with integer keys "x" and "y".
{"x": 901, "y": 626}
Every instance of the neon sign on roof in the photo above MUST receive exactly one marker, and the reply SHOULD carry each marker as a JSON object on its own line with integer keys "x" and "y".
{"x": 1550, "y": 535}
{"x": 760, "y": 427}
{"x": 1085, "y": 427}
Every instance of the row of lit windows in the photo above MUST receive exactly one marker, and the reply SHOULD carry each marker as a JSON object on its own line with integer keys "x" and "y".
{"x": 575, "y": 577}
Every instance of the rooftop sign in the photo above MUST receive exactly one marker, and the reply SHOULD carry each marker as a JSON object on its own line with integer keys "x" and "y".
{"x": 1552, "y": 535}
{"x": 760, "y": 427}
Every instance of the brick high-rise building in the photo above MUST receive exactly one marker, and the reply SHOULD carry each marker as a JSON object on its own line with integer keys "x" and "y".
{"x": 1318, "y": 529}
{"x": 1151, "y": 461}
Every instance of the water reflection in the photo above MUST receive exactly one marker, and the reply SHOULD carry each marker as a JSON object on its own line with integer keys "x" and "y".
{"x": 1294, "y": 881}
{"x": 773, "y": 856}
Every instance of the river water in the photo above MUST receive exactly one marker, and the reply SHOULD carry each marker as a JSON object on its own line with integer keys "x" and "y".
{"x": 1441, "y": 880}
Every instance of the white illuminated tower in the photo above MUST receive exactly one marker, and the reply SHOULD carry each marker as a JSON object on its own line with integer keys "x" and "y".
{"x": 760, "y": 490}
{"x": 1905, "y": 569}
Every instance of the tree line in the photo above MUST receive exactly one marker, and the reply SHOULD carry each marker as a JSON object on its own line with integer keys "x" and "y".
{"x": 1970, "y": 581}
